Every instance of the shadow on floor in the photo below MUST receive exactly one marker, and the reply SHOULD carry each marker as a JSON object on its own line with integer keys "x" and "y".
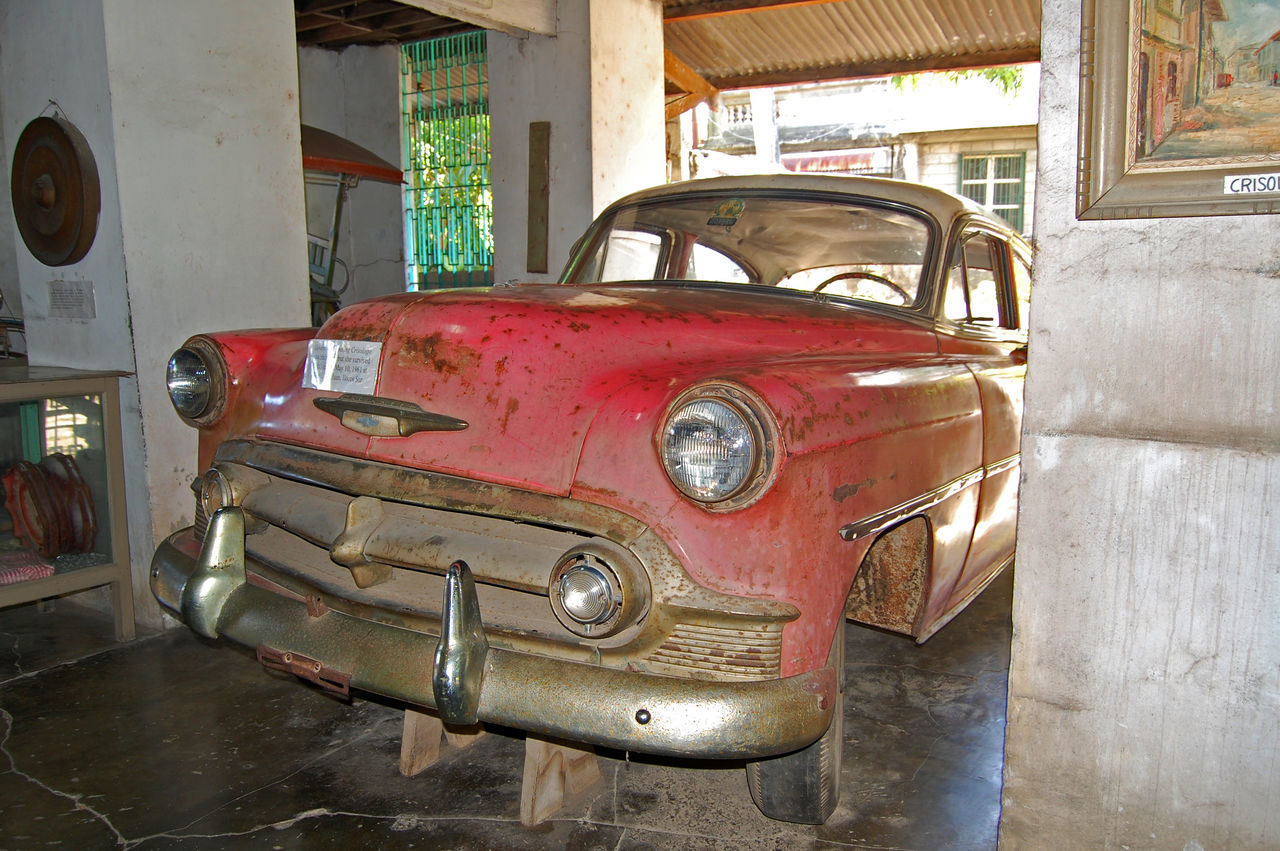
{"x": 174, "y": 742}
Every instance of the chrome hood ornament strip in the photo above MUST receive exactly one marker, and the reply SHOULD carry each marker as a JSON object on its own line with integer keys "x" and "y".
{"x": 381, "y": 417}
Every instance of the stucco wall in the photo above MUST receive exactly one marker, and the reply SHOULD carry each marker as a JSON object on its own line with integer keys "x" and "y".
{"x": 356, "y": 93}
{"x": 196, "y": 141}
{"x": 1144, "y": 693}
{"x": 210, "y": 175}
{"x": 54, "y": 61}
{"x": 54, "y": 58}
{"x": 599, "y": 84}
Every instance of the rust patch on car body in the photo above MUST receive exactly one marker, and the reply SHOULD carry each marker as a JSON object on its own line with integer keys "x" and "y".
{"x": 513, "y": 405}
{"x": 889, "y": 588}
{"x": 843, "y": 492}
{"x": 440, "y": 354}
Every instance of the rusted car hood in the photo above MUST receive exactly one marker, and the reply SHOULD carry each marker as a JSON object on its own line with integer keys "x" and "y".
{"x": 529, "y": 367}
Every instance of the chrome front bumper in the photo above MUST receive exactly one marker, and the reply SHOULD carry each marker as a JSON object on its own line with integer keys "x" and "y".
{"x": 467, "y": 681}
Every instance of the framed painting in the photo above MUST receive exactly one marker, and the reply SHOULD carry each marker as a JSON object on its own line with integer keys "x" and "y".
{"x": 1179, "y": 108}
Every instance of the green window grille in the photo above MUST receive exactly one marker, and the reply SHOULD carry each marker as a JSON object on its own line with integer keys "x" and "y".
{"x": 448, "y": 199}
{"x": 997, "y": 182}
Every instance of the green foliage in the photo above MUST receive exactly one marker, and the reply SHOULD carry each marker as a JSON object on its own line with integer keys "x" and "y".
{"x": 1007, "y": 77}
{"x": 449, "y": 203}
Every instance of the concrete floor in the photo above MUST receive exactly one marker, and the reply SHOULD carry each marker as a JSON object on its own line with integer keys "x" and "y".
{"x": 174, "y": 742}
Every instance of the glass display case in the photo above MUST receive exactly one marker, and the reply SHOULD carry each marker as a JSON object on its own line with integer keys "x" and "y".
{"x": 63, "y": 526}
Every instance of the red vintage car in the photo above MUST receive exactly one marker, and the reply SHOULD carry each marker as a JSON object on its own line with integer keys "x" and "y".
{"x": 633, "y": 508}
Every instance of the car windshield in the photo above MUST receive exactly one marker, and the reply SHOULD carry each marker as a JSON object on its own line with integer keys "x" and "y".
{"x": 824, "y": 244}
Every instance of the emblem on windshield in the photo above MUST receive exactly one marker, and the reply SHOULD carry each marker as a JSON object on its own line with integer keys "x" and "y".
{"x": 726, "y": 215}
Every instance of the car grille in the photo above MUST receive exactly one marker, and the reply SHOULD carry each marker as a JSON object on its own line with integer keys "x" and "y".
{"x": 721, "y": 652}
{"x": 294, "y": 532}
{"x": 511, "y": 561}
{"x": 411, "y": 598}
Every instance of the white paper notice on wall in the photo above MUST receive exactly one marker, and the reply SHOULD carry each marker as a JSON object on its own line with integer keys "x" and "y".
{"x": 1249, "y": 184}
{"x": 346, "y": 366}
{"x": 72, "y": 300}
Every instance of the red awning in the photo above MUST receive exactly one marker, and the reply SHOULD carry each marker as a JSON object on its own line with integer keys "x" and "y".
{"x": 325, "y": 151}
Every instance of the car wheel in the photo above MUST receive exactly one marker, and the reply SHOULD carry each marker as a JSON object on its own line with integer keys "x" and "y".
{"x": 804, "y": 786}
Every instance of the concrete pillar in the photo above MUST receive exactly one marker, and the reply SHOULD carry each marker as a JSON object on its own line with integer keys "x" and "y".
{"x": 191, "y": 110}
{"x": 679, "y": 146}
{"x": 908, "y": 162}
{"x": 764, "y": 124}
{"x": 1144, "y": 692}
{"x": 599, "y": 85}
{"x": 355, "y": 92}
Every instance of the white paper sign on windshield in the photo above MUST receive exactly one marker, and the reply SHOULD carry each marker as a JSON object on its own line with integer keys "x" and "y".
{"x": 346, "y": 366}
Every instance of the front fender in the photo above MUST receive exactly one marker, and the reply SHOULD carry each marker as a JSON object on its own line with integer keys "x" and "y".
{"x": 859, "y": 438}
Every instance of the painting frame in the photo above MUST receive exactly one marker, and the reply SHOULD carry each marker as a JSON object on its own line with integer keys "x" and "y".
{"x": 1110, "y": 184}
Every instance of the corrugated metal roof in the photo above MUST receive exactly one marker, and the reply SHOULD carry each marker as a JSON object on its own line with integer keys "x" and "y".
{"x": 741, "y": 43}
{"x": 744, "y": 43}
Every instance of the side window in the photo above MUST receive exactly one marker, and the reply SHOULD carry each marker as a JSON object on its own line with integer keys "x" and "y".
{"x": 973, "y": 283}
{"x": 1022, "y": 291}
{"x": 707, "y": 264}
{"x": 630, "y": 256}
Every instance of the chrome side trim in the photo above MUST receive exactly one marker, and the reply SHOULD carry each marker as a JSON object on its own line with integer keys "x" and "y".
{"x": 1002, "y": 466}
{"x": 877, "y": 523}
{"x": 882, "y": 520}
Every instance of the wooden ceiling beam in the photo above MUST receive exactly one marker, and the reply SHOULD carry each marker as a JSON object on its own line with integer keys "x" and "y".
{"x": 319, "y": 7}
{"x": 434, "y": 28}
{"x": 365, "y": 10}
{"x": 720, "y": 8}
{"x": 688, "y": 80}
{"x": 333, "y": 32}
{"x": 514, "y": 17}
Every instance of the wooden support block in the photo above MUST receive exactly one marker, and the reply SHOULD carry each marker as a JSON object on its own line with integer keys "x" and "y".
{"x": 555, "y": 776}
{"x": 463, "y": 737}
{"x": 420, "y": 740}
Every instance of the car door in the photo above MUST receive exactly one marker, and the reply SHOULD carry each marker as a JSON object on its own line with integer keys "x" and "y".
{"x": 982, "y": 326}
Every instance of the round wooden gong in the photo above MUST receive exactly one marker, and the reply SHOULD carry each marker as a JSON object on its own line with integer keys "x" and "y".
{"x": 56, "y": 196}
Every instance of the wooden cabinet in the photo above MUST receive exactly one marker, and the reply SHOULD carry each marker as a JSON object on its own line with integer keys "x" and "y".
{"x": 51, "y": 410}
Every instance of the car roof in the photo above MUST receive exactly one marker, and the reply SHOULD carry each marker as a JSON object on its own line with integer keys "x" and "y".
{"x": 943, "y": 206}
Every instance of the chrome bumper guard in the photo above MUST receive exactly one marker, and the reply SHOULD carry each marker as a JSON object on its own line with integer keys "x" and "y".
{"x": 466, "y": 680}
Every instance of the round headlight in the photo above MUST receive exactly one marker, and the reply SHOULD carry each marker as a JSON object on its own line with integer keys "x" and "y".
{"x": 587, "y": 595}
{"x": 598, "y": 589}
{"x": 196, "y": 378}
{"x": 716, "y": 449}
{"x": 189, "y": 383}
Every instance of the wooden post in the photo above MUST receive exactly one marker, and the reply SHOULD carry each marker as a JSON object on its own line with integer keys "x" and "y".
{"x": 420, "y": 741}
{"x": 555, "y": 776}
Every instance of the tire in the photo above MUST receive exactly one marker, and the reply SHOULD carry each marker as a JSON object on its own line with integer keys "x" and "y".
{"x": 804, "y": 786}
